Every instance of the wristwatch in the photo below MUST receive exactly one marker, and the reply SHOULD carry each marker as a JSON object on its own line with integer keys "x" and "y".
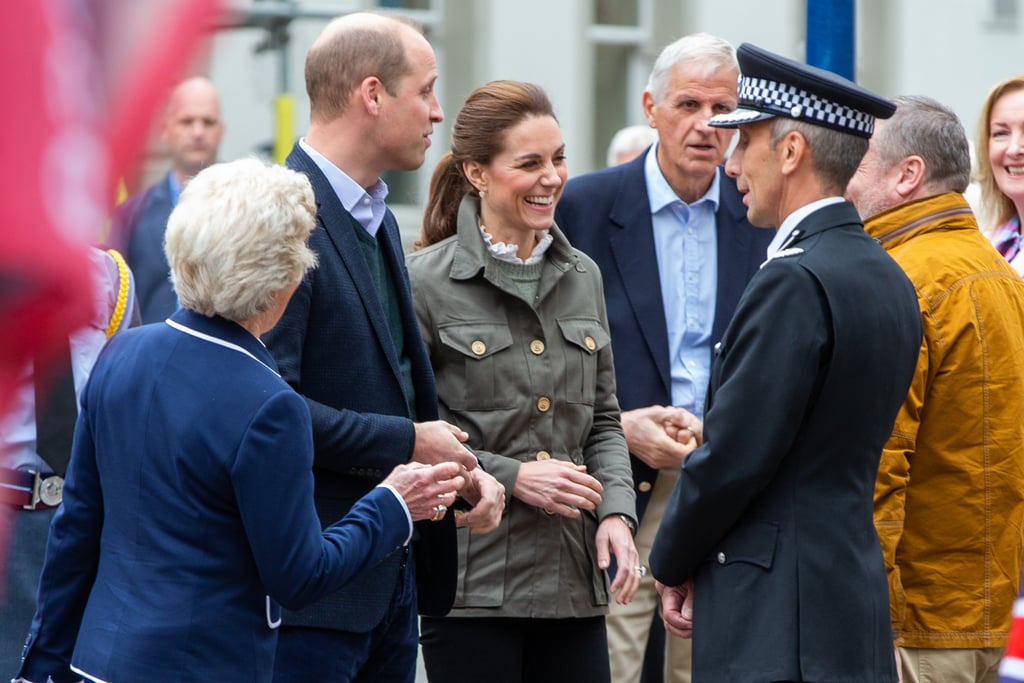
{"x": 629, "y": 523}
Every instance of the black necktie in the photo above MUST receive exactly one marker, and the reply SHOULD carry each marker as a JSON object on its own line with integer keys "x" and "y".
{"x": 56, "y": 408}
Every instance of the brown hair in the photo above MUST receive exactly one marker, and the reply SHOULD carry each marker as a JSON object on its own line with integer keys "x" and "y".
{"x": 350, "y": 49}
{"x": 478, "y": 134}
{"x": 996, "y": 207}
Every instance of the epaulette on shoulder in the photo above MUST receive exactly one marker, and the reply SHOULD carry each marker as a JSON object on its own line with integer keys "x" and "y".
{"x": 783, "y": 253}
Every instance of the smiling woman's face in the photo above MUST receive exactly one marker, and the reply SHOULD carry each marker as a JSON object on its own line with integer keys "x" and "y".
{"x": 523, "y": 182}
{"x": 1006, "y": 145}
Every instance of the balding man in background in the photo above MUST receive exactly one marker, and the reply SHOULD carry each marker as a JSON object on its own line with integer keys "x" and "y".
{"x": 191, "y": 132}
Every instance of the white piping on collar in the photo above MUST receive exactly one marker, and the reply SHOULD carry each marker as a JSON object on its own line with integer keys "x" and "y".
{"x": 271, "y": 622}
{"x": 217, "y": 340}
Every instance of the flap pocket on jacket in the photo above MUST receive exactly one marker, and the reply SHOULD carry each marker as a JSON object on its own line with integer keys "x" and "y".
{"x": 471, "y": 372}
{"x": 753, "y": 543}
{"x": 584, "y": 338}
{"x": 586, "y": 333}
{"x": 477, "y": 340}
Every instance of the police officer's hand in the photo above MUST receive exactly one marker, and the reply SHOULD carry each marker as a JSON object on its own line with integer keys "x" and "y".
{"x": 677, "y": 608}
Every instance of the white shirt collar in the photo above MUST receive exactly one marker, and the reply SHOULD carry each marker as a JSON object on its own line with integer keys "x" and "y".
{"x": 794, "y": 219}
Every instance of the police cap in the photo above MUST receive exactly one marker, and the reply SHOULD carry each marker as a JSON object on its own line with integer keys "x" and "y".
{"x": 772, "y": 85}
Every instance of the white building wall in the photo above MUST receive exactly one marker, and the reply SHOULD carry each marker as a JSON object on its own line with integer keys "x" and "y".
{"x": 951, "y": 50}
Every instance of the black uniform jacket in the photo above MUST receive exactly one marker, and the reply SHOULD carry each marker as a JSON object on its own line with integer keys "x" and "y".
{"x": 772, "y": 516}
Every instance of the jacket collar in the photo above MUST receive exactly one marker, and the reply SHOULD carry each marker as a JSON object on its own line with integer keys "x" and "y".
{"x": 471, "y": 253}
{"x": 226, "y": 331}
{"x": 948, "y": 211}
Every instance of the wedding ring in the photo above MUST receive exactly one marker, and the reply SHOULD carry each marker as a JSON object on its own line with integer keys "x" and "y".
{"x": 439, "y": 511}
{"x": 641, "y": 570}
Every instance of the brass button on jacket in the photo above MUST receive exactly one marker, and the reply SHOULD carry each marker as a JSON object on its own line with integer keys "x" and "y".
{"x": 543, "y": 455}
{"x": 478, "y": 347}
{"x": 543, "y": 404}
{"x": 537, "y": 347}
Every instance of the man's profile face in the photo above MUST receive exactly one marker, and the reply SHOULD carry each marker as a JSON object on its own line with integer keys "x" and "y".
{"x": 755, "y": 167}
{"x": 870, "y": 188}
{"x": 408, "y": 115}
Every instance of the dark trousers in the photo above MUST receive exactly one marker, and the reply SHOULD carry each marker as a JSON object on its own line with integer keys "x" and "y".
{"x": 387, "y": 654}
{"x": 501, "y": 650}
{"x": 20, "y": 564}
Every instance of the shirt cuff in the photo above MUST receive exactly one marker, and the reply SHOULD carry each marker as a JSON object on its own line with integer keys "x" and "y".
{"x": 405, "y": 508}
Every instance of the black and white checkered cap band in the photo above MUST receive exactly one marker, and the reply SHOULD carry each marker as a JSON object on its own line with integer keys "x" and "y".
{"x": 787, "y": 100}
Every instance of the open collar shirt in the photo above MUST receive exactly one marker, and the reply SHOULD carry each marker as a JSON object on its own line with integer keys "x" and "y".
{"x": 366, "y": 206}
{"x": 686, "y": 245}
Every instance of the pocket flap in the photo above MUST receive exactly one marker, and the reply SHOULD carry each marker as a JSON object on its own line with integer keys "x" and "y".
{"x": 586, "y": 333}
{"x": 476, "y": 339}
{"x": 753, "y": 543}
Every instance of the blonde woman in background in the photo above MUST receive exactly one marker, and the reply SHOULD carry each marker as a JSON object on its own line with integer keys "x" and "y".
{"x": 1000, "y": 151}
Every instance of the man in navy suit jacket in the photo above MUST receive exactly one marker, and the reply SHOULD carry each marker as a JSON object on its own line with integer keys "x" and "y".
{"x": 192, "y": 131}
{"x": 350, "y": 344}
{"x": 670, "y": 233}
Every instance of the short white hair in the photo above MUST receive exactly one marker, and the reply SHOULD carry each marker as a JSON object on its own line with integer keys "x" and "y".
{"x": 238, "y": 235}
{"x": 631, "y": 140}
{"x": 709, "y": 52}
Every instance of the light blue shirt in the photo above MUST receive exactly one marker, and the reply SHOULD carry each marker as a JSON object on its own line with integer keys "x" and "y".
{"x": 686, "y": 243}
{"x": 366, "y": 206}
{"x": 174, "y": 186}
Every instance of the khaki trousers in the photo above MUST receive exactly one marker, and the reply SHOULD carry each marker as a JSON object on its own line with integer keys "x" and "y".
{"x": 934, "y": 665}
{"x": 629, "y": 625}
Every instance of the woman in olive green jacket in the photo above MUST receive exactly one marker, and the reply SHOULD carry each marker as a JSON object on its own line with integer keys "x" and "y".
{"x": 514, "y": 320}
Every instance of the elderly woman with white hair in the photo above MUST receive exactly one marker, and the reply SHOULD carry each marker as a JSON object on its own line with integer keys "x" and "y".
{"x": 188, "y": 510}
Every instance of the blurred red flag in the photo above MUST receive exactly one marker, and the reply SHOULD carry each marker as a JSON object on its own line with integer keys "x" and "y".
{"x": 83, "y": 80}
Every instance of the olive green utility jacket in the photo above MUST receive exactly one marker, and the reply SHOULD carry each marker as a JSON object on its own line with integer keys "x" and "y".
{"x": 527, "y": 381}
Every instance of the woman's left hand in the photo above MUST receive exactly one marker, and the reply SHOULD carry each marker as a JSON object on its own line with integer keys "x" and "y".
{"x": 615, "y": 538}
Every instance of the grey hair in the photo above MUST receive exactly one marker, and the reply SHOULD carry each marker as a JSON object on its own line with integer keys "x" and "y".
{"x": 238, "y": 236}
{"x": 926, "y": 128}
{"x": 701, "y": 49}
{"x": 835, "y": 156}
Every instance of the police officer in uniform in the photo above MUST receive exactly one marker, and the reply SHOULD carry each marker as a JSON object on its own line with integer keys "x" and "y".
{"x": 767, "y": 553}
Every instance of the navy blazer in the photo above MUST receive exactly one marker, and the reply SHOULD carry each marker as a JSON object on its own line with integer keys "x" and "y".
{"x": 139, "y": 225}
{"x": 188, "y": 515}
{"x": 772, "y": 516}
{"x": 607, "y": 215}
{"x": 333, "y": 345}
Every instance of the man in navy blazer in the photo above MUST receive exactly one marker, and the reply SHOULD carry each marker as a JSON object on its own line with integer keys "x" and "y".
{"x": 670, "y": 234}
{"x": 192, "y": 131}
{"x": 350, "y": 344}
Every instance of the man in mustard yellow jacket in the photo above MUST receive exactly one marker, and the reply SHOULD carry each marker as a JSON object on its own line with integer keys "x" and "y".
{"x": 949, "y": 500}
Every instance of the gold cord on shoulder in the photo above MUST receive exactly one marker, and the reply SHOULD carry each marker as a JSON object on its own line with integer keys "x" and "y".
{"x": 123, "y": 283}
